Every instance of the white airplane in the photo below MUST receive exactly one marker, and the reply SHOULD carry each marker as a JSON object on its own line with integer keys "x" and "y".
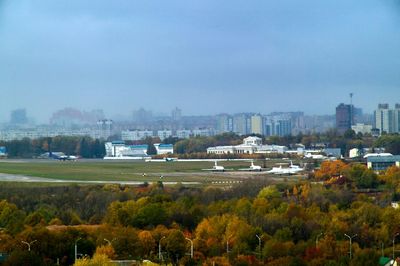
{"x": 216, "y": 168}
{"x": 252, "y": 167}
{"x": 315, "y": 156}
{"x": 292, "y": 169}
{"x": 67, "y": 158}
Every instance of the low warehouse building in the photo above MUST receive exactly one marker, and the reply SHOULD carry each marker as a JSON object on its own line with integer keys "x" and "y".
{"x": 380, "y": 163}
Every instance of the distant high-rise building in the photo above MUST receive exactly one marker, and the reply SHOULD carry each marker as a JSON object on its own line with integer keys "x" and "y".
{"x": 70, "y": 117}
{"x": 241, "y": 124}
{"x": 344, "y": 117}
{"x": 224, "y": 123}
{"x": 397, "y": 117}
{"x": 105, "y": 128}
{"x": 284, "y": 127}
{"x": 18, "y": 117}
{"x": 257, "y": 124}
{"x": 176, "y": 114}
{"x": 385, "y": 119}
{"x": 142, "y": 116}
{"x": 278, "y": 125}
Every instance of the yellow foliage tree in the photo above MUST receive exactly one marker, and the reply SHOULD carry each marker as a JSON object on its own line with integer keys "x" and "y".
{"x": 107, "y": 250}
{"x": 97, "y": 260}
{"x": 330, "y": 169}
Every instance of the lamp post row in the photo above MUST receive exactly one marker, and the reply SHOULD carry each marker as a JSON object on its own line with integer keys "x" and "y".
{"x": 227, "y": 245}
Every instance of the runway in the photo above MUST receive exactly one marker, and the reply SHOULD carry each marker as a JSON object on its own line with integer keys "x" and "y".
{"x": 30, "y": 179}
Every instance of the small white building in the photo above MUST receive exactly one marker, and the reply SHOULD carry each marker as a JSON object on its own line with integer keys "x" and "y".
{"x": 354, "y": 153}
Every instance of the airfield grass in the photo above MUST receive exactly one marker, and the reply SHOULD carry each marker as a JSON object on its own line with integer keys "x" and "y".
{"x": 121, "y": 171}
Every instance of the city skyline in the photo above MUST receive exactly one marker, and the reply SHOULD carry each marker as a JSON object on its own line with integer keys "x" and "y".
{"x": 237, "y": 57}
{"x": 7, "y": 117}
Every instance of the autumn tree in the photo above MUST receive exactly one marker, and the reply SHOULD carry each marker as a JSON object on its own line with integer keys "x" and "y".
{"x": 147, "y": 242}
{"x": 330, "y": 169}
{"x": 362, "y": 176}
{"x": 176, "y": 245}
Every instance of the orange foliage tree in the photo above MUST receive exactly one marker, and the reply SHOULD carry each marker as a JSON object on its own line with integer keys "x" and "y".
{"x": 330, "y": 169}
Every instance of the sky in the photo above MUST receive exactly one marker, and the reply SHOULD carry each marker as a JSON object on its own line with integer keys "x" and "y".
{"x": 204, "y": 56}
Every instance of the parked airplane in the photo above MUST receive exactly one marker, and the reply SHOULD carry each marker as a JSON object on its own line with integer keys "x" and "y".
{"x": 292, "y": 169}
{"x": 67, "y": 158}
{"x": 315, "y": 156}
{"x": 252, "y": 168}
{"x": 216, "y": 168}
{"x": 167, "y": 159}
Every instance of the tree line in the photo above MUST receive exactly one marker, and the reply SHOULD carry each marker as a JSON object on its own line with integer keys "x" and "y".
{"x": 196, "y": 147}
{"x": 85, "y": 147}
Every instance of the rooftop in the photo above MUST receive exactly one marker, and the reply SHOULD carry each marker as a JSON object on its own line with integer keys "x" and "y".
{"x": 384, "y": 159}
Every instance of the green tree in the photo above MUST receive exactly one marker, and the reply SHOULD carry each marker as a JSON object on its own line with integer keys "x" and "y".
{"x": 176, "y": 245}
{"x": 85, "y": 148}
{"x": 363, "y": 177}
{"x": 24, "y": 258}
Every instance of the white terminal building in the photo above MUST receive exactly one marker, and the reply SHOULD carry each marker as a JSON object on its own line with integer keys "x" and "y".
{"x": 250, "y": 145}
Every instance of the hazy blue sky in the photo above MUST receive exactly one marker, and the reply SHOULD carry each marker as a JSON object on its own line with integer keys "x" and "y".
{"x": 205, "y": 56}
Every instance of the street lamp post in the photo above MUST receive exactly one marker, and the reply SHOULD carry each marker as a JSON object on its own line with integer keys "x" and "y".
{"x": 394, "y": 238}
{"x": 76, "y": 248}
{"x": 159, "y": 248}
{"x": 108, "y": 241}
{"x": 350, "y": 239}
{"x": 316, "y": 240}
{"x": 259, "y": 246}
{"x": 191, "y": 246}
{"x": 29, "y": 244}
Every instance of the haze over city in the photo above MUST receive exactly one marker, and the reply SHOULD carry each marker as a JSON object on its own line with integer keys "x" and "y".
{"x": 206, "y": 57}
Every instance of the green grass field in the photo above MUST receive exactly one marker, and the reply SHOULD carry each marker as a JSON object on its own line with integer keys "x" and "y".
{"x": 87, "y": 170}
